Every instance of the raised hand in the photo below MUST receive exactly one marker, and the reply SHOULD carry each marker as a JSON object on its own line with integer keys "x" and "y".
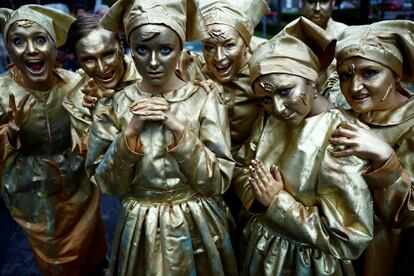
{"x": 266, "y": 184}
{"x": 18, "y": 115}
{"x": 92, "y": 93}
{"x": 357, "y": 139}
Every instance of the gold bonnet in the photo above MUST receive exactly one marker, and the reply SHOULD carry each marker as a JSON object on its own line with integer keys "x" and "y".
{"x": 55, "y": 22}
{"x": 243, "y": 15}
{"x": 302, "y": 48}
{"x": 182, "y": 16}
{"x": 390, "y": 43}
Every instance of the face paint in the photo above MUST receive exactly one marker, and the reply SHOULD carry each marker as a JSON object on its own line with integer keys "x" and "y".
{"x": 34, "y": 53}
{"x": 224, "y": 52}
{"x": 367, "y": 85}
{"x": 101, "y": 56}
{"x": 286, "y": 97}
{"x": 318, "y": 11}
{"x": 155, "y": 50}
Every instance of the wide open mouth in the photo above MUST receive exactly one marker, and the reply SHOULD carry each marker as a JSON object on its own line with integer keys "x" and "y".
{"x": 35, "y": 67}
{"x": 223, "y": 69}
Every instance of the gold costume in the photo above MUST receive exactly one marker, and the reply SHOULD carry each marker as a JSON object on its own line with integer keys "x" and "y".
{"x": 81, "y": 117}
{"x": 243, "y": 107}
{"x": 391, "y": 44}
{"x": 43, "y": 182}
{"x": 44, "y": 185}
{"x": 323, "y": 217}
{"x": 170, "y": 222}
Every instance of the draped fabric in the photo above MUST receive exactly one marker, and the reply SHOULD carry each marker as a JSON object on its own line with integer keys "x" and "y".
{"x": 322, "y": 219}
{"x": 44, "y": 184}
{"x": 171, "y": 222}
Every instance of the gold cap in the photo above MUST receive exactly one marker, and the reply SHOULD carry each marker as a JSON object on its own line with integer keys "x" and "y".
{"x": 302, "y": 48}
{"x": 55, "y": 22}
{"x": 182, "y": 16}
{"x": 243, "y": 15}
{"x": 389, "y": 43}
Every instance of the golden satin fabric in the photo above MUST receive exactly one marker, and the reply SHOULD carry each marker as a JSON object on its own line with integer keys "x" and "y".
{"x": 81, "y": 117}
{"x": 44, "y": 185}
{"x": 242, "y": 105}
{"x": 324, "y": 216}
{"x": 170, "y": 223}
{"x": 392, "y": 187}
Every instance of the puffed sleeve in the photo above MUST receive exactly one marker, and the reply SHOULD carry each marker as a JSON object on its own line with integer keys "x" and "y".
{"x": 393, "y": 186}
{"x": 110, "y": 162}
{"x": 205, "y": 159}
{"x": 243, "y": 158}
{"x": 341, "y": 222}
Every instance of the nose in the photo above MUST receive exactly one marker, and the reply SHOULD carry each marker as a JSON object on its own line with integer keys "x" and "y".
{"x": 357, "y": 85}
{"x": 279, "y": 107}
{"x": 219, "y": 57}
{"x": 153, "y": 60}
{"x": 101, "y": 65}
{"x": 317, "y": 7}
{"x": 31, "y": 48}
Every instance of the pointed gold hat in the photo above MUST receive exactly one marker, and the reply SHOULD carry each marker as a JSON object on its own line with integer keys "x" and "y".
{"x": 302, "y": 48}
{"x": 182, "y": 16}
{"x": 243, "y": 15}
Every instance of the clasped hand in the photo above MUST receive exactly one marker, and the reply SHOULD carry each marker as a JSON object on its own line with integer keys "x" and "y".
{"x": 153, "y": 109}
{"x": 266, "y": 184}
{"x": 360, "y": 141}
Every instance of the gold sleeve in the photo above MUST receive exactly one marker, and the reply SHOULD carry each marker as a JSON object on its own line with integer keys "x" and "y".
{"x": 109, "y": 163}
{"x": 245, "y": 154}
{"x": 341, "y": 221}
{"x": 205, "y": 159}
{"x": 393, "y": 186}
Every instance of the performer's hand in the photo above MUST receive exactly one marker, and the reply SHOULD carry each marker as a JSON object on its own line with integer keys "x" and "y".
{"x": 357, "y": 139}
{"x": 92, "y": 93}
{"x": 211, "y": 86}
{"x": 149, "y": 109}
{"x": 18, "y": 115}
{"x": 266, "y": 184}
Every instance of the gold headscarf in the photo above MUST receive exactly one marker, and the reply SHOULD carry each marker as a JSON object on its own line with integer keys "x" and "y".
{"x": 302, "y": 48}
{"x": 390, "y": 43}
{"x": 182, "y": 16}
{"x": 243, "y": 15}
{"x": 55, "y": 22}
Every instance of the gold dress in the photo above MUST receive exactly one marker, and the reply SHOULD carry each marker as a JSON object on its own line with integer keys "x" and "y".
{"x": 324, "y": 216}
{"x": 44, "y": 185}
{"x": 392, "y": 187}
{"x": 81, "y": 117}
{"x": 170, "y": 223}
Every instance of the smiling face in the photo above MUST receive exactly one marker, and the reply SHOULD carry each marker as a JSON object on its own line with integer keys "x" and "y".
{"x": 368, "y": 85}
{"x": 33, "y": 52}
{"x": 224, "y": 52}
{"x": 318, "y": 11}
{"x": 101, "y": 56}
{"x": 155, "y": 50}
{"x": 286, "y": 97}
